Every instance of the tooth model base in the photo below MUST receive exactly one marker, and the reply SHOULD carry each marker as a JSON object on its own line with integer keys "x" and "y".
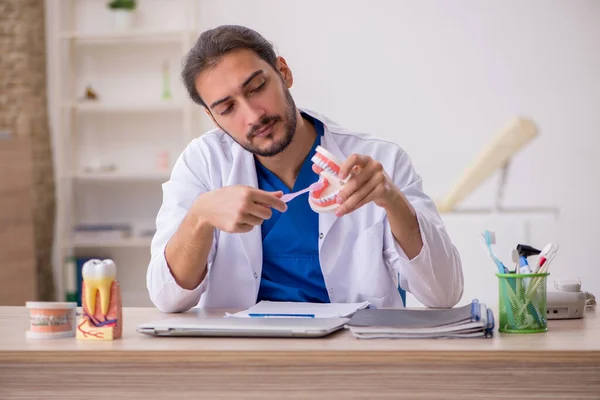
{"x": 102, "y": 316}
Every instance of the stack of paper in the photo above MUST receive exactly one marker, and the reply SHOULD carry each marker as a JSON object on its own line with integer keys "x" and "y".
{"x": 276, "y": 309}
{"x": 472, "y": 320}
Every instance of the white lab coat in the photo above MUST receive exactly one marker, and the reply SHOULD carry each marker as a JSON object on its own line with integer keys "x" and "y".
{"x": 359, "y": 257}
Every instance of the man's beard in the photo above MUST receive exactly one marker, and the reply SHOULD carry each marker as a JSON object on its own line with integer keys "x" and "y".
{"x": 289, "y": 129}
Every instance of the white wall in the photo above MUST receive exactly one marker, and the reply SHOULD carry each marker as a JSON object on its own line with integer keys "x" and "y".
{"x": 441, "y": 78}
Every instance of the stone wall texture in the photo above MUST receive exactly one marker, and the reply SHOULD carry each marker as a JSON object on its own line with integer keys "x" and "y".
{"x": 23, "y": 112}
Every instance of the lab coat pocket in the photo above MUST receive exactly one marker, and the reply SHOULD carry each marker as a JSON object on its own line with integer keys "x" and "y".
{"x": 373, "y": 279}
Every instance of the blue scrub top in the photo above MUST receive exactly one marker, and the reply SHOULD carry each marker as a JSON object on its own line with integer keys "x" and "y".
{"x": 290, "y": 240}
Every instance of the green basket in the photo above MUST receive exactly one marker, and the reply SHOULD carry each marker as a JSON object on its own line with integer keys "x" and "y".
{"x": 522, "y": 303}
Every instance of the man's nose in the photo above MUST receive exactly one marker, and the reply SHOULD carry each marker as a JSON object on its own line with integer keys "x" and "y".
{"x": 252, "y": 113}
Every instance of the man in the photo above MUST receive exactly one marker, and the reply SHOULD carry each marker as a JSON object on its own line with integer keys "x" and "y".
{"x": 225, "y": 239}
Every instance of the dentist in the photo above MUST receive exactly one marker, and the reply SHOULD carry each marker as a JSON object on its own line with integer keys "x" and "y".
{"x": 225, "y": 239}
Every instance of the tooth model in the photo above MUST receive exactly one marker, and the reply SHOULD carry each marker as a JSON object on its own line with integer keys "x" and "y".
{"x": 328, "y": 167}
{"x": 102, "y": 317}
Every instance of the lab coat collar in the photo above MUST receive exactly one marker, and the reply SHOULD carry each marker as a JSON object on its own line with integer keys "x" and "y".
{"x": 243, "y": 172}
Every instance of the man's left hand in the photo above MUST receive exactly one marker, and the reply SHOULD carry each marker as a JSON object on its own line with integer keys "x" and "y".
{"x": 368, "y": 182}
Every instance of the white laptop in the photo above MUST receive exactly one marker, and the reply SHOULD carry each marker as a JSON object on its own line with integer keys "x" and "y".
{"x": 243, "y": 327}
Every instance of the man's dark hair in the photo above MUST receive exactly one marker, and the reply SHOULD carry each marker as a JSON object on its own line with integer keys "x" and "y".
{"x": 213, "y": 44}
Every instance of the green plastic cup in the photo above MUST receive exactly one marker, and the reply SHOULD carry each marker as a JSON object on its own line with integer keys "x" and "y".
{"x": 522, "y": 304}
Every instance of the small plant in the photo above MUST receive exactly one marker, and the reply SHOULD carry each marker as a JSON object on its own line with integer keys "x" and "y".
{"x": 122, "y": 5}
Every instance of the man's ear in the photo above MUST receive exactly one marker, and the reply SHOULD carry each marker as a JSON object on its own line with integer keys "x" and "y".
{"x": 285, "y": 71}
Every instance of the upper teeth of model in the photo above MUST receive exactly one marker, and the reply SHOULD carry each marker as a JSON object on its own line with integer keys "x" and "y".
{"x": 98, "y": 276}
{"x": 324, "y": 165}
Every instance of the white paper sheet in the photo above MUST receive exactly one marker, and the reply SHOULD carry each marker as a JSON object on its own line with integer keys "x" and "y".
{"x": 275, "y": 309}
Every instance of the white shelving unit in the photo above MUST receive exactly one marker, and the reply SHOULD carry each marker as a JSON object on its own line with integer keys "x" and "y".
{"x": 113, "y": 244}
{"x": 115, "y": 151}
{"x": 89, "y": 108}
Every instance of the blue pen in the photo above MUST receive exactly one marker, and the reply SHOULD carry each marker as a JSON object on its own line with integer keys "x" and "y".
{"x": 282, "y": 315}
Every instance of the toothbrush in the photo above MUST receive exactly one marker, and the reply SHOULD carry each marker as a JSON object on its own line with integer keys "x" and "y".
{"x": 489, "y": 238}
{"x": 546, "y": 257}
{"x": 514, "y": 255}
{"x": 315, "y": 186}
{"x": 548, "y": 253}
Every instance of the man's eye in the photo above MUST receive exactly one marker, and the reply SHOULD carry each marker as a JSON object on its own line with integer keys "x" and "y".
{"x": 227, "y": 110}
{"x": 259, "y": 87}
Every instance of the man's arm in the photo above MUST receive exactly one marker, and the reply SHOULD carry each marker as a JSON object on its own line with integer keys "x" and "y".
{"x": 404, "y": 224}
{"x": 188, "y": 224}
{"x": 181, "y": 251}
{"x": 416, "y": 244}
{"x": 427, "y": 261}
{"x": 187, "y": 251}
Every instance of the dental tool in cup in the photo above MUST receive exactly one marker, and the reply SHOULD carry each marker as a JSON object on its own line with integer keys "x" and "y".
{"x": 546, "y": 257}
{"x": 488, "y": 238}
{"x": 524, "y": 251}
{"x": 520, "y": 254}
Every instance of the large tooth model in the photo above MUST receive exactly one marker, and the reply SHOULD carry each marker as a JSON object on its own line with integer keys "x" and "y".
{"x": 102, "y": 317}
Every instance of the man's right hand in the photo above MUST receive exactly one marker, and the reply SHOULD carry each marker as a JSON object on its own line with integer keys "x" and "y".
{"x": 238, "y": 209}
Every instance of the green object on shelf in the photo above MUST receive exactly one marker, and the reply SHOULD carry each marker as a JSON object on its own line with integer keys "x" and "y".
{"x": 122, "y": 4}
{"x": 70, "y": 275}
{"x": 166, "y": 95}
{"x": 71, "y": 297}
{"x": 522, "y": 303}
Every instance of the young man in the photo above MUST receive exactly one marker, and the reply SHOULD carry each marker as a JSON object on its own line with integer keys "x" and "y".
{"x": 225, "y": 239}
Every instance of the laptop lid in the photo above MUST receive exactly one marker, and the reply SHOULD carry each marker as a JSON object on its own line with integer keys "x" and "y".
{"x": 243, "y": 327}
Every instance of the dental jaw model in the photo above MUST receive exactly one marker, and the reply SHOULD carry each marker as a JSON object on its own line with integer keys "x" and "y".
{"x": 328, "y": 167}
{"x": 102, "y": 317}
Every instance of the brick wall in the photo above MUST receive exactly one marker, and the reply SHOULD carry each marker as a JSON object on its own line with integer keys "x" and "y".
{"x": 23, "y": 112}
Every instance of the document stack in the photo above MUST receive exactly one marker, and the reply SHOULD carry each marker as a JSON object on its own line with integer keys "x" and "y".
{"x": 473, "y": 320}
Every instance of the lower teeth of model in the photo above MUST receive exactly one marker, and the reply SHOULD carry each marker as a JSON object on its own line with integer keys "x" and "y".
{"x": 328, "y": 198}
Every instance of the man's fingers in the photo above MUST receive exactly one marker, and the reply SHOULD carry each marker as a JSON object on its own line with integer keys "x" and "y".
{"x": 365, "y": 200}
{"x": 251, "y": 220}
{"x": 355, "y": 182}
{"x": 352, "y": 202}
{"x": 243, "y": 228}
{"x": 355, "y": 160}
{"x": 270, "y": 199}
{"x": 259, "y": 210}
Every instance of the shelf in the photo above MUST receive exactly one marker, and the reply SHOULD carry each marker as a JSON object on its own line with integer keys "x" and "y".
{"x": 112, "y": 243}
{"x": 92, "y": 107}
{"x": 142, "y": 37}
{"x": 121, "y": 176}
{"x": 87, "y": 50}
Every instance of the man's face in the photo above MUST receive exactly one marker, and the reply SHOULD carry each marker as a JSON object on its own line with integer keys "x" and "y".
{"x": 250, "y": 101}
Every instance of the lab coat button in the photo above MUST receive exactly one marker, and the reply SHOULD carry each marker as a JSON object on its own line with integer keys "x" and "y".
{"x": 321, "y": 235}
{"x": 330, "y": 291}
{"x": 255, "y": 275}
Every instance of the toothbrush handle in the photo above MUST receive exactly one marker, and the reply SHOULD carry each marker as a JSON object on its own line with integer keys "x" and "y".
{"x": 288, "y": 197}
